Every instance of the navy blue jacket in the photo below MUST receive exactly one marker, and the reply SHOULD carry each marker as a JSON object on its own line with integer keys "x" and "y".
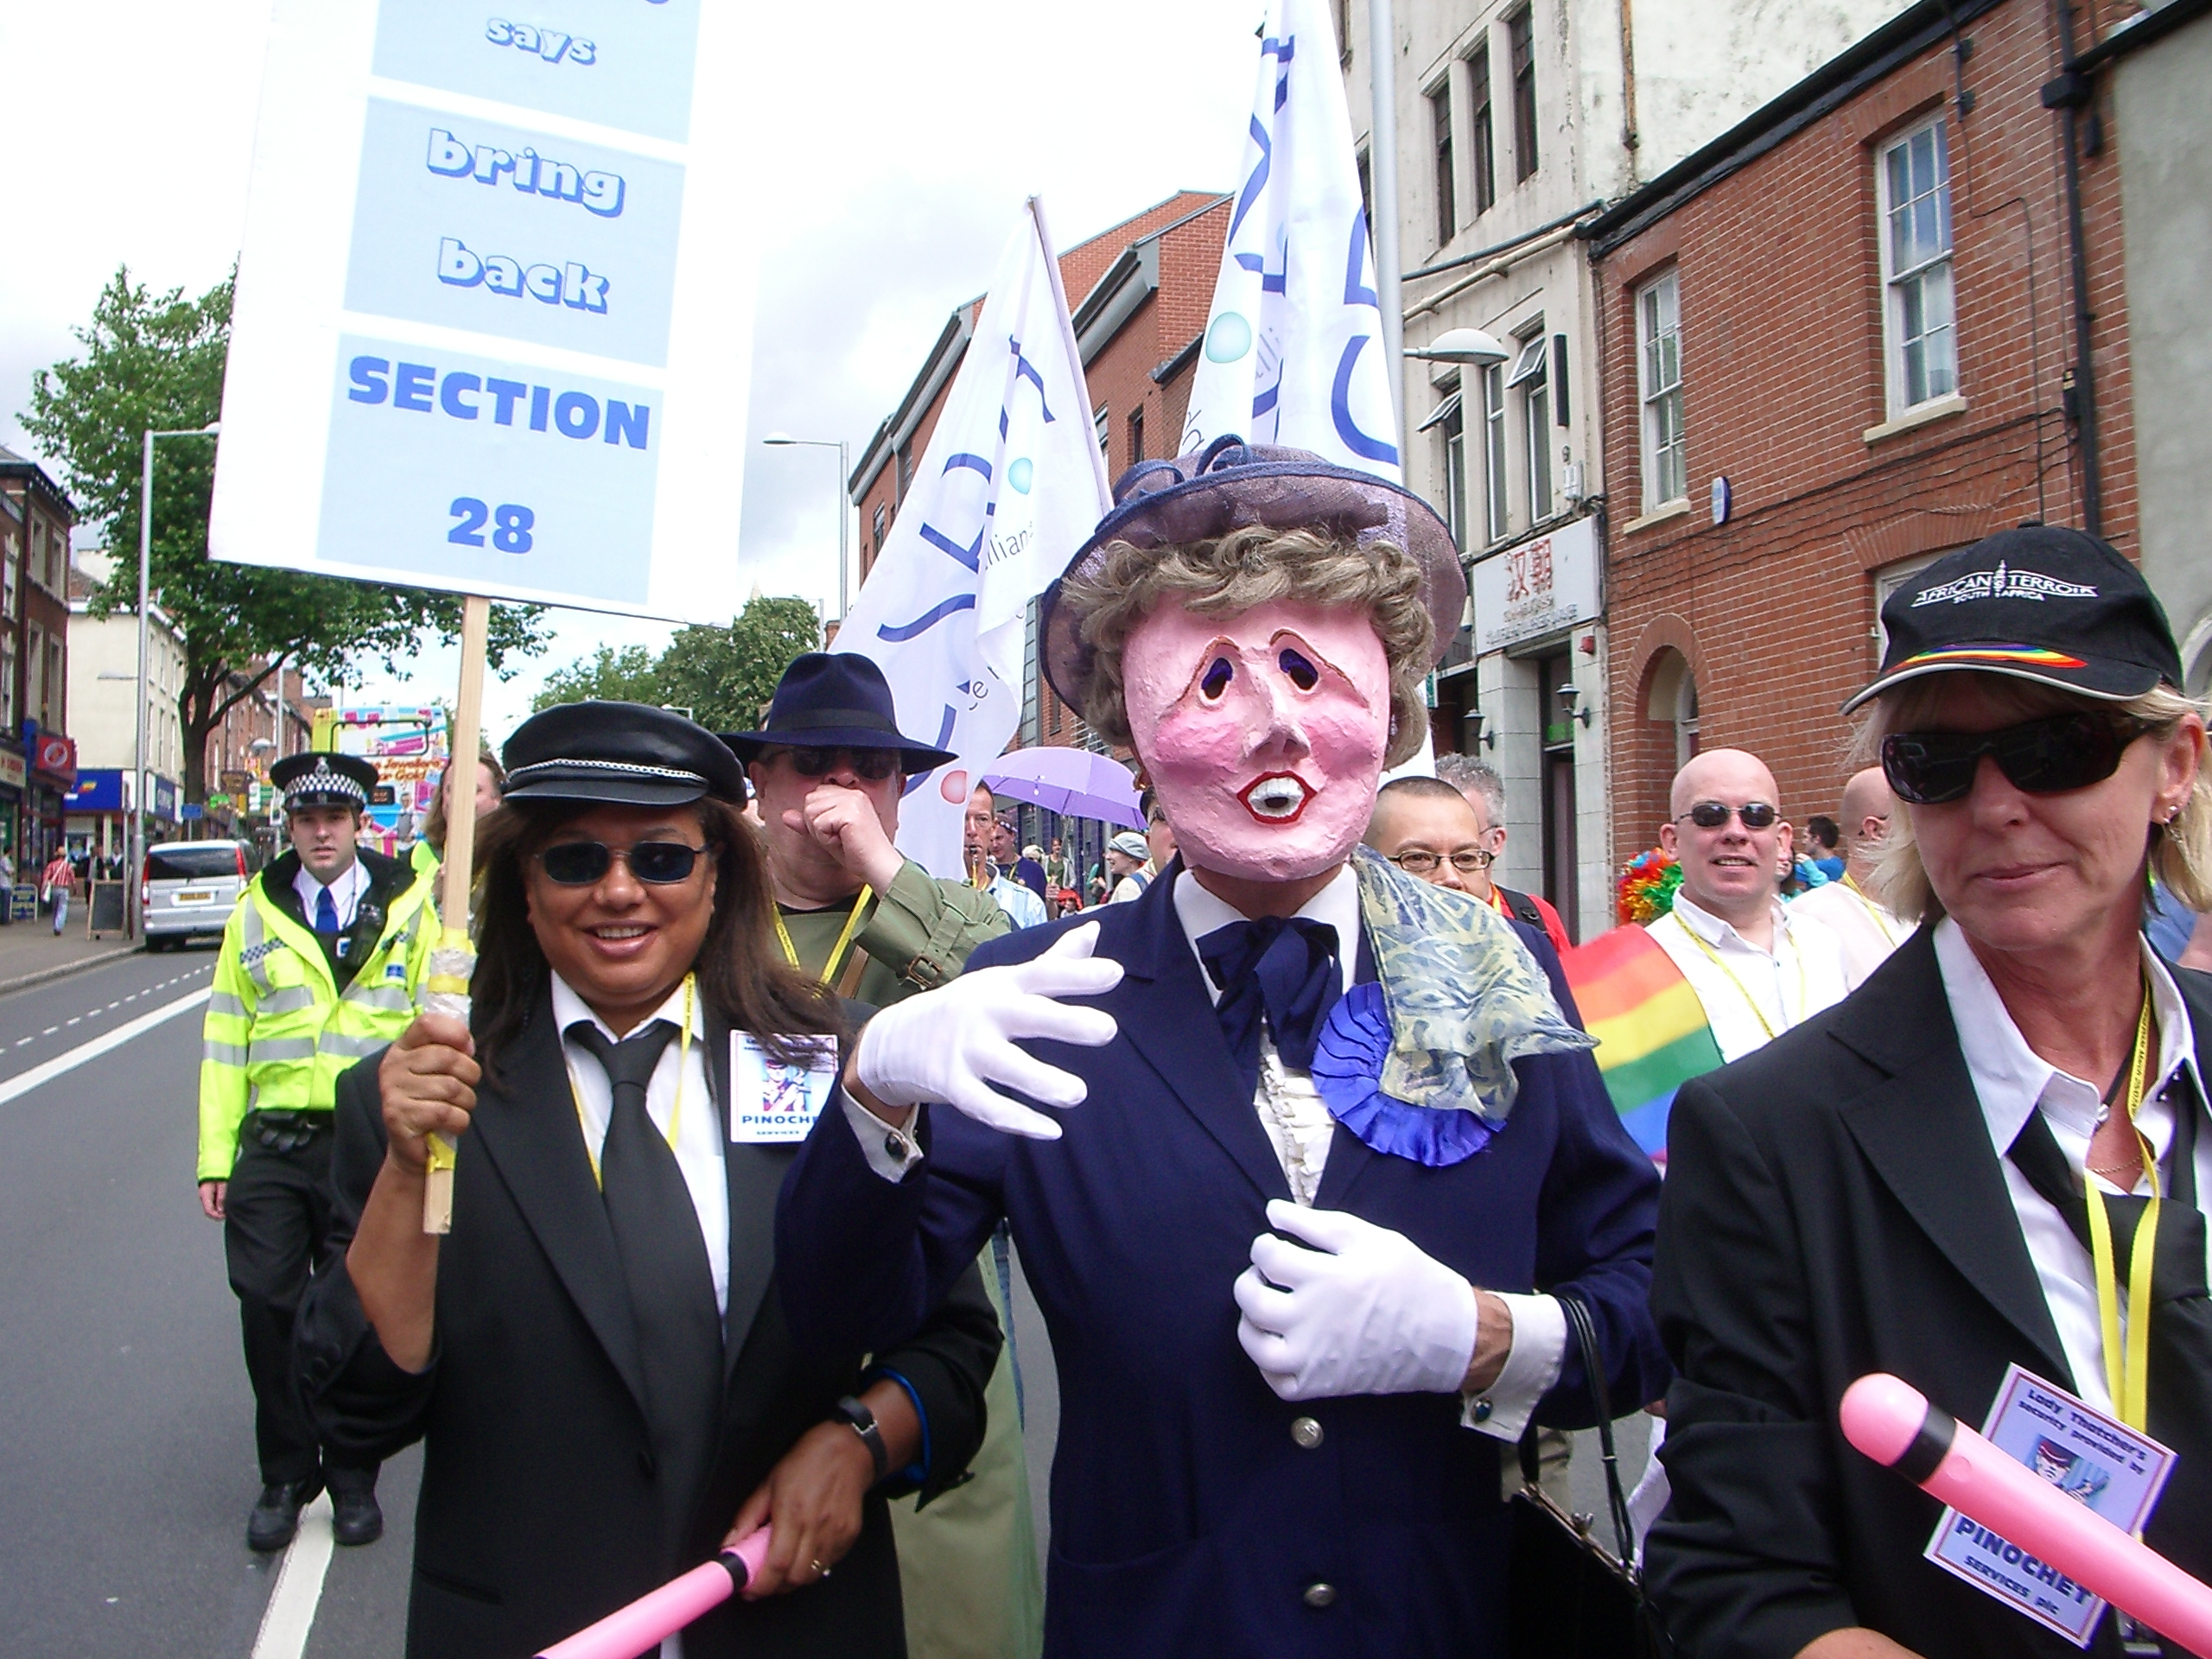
{"x": 1186, "y": 1517}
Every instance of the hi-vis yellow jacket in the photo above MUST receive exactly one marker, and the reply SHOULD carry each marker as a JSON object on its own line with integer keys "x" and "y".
{"x": 279, "y": 1032}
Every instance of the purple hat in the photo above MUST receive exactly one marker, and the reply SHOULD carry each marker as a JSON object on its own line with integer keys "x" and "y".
{"x": 1230, "y": 486}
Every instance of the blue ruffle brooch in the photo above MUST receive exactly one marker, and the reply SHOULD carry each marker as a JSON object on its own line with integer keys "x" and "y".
{"x": 1348, "y": 1074}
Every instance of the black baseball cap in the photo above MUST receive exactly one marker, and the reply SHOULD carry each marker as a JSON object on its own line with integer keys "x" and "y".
{"x": 621, "y": 754}
{"x": 2040, "y": 603}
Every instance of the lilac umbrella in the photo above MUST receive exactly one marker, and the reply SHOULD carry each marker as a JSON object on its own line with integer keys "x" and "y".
{"x": 1073, "y": 782}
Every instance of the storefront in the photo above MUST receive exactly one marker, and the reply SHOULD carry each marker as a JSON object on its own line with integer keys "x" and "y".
{"x": 95, "y": 818}
{"x": 1537, "y": 705}
{"x": 52, "y": 774}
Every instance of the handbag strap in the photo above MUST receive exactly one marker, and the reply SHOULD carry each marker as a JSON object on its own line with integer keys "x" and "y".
{"x": 1593, "y": 1368}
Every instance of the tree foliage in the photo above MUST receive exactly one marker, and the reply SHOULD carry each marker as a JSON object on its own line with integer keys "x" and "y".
{"x": 155, "y": 360}
{"x": 723, "y": 676}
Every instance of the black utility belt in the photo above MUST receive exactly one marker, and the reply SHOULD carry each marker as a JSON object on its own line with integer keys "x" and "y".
{"x": 283, "y": 1130}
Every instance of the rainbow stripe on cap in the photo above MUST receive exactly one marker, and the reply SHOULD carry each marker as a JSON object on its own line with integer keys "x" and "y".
{"x": 2006, "y": 656}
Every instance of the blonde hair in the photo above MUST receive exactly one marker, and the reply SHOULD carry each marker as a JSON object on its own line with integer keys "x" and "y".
{"x": 1237, "y": 572}
{"x": 2178, "y": 853}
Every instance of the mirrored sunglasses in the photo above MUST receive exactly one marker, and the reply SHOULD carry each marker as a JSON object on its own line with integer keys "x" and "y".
{"x": 1466, "y": 860}
{"x": 1711, "y": 815}
{"x": 2040, "y": 757}
{"x": 579, "y": 863}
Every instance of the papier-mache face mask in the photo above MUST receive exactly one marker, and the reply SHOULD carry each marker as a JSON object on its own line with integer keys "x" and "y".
{"x": 1263, "y": 732}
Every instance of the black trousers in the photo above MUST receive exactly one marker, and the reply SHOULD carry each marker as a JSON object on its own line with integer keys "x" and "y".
{"x": 276, "y": 1224}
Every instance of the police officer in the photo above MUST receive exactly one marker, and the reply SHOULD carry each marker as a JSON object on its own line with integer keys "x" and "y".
{"x": 319, "y": 966}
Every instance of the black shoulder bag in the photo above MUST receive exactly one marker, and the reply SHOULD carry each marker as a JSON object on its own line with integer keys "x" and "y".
{"x": 1570, "y": 1597}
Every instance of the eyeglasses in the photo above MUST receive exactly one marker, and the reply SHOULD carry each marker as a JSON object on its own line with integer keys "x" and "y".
{"x": 1714, "y": 814}
{"x": 875, "y": 764}
{"x": 579, "y": 863}
{"x": 1466, "y": 860}
{"x": 2043, "y": 757}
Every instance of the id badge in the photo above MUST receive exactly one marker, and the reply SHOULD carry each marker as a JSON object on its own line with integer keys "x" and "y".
{"x": 773, "y": 1104}
{"x": 2093, "y": 1459}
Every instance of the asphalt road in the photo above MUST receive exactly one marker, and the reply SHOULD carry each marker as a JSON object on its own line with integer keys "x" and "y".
{"x": 127, "y": 1467}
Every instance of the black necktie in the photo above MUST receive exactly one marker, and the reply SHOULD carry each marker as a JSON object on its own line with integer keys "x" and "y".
{"x": 2180, "y": 1393}
{"x": 665, "y": 1268}
{"x": 1279, "y": 968}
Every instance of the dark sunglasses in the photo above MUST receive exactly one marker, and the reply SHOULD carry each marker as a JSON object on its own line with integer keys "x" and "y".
{"x": 2042, "y": 757}
{"x": 1712, "y": 815}
{"x": 579, "y": 863}
{"x": 875, "y": 764}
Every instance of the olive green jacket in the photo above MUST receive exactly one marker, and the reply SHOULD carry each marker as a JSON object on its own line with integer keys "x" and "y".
{"x": 917, "y": 935}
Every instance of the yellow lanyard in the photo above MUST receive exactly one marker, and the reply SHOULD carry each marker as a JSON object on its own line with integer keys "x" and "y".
{"x": 1872, "y": 909}
{"x": 675, "y": 1112}
{"x": 2127, "y": 1372}
{"x": 837, "y": 951}
{"x": 1744, "y": 991}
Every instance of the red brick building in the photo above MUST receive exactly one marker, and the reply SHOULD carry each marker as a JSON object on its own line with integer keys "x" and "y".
{"x": 1138, "y": 295}
{"x": 38, "y": 761}
{"x": 1838, "y": 341}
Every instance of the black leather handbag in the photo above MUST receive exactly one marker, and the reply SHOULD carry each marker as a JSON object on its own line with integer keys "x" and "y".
{"x": 1570, "y": 1597}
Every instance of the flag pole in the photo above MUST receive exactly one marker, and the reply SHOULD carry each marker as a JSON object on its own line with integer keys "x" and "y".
{"x": 1383, "y": 170}
{"x": 446, "y": 988}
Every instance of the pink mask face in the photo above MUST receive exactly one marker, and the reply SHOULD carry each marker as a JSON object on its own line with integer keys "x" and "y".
{"x": 1262, "y": 732}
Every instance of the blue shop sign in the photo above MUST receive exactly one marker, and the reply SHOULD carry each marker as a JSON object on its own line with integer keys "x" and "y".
{"x": 164, "y": 800}
{"x": 100, "y": 790}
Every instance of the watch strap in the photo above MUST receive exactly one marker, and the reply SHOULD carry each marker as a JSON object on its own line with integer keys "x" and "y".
{"x": 856, "y": 1415}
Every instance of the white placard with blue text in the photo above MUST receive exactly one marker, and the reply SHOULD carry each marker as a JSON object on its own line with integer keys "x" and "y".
{"x": 494, "y": 322}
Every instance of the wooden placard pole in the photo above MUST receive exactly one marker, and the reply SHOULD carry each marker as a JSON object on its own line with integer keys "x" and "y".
{"x": 448, "y": 983}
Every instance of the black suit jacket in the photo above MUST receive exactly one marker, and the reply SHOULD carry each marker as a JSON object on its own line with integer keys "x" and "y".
{"x": 539, "y": 1510}
{"x": 1832, "y": 1206}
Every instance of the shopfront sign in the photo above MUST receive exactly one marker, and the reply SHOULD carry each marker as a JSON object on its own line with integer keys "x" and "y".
{"x": 1541, "y": 587}
{"x": 98, "y": 789}
{"x": 56, "y": 756}
{"x": 164, "y": 793}
{"x": 11, "y": 770}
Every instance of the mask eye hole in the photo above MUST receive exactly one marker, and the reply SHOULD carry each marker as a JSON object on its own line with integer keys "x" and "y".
{"x": 1302, "y": 674}
{"x": 1216, "y": 679}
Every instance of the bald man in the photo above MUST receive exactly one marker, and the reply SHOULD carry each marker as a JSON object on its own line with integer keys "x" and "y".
{"x": 1758, "y": 967}
{"x": 1852, "y": 907}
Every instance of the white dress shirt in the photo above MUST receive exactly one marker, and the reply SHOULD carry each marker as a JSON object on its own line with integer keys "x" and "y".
{"x": 1753, "y": 995}
{"x": 1867, "y": 931}
{"x": 697, "y": 1135}
{"x": 1022, "y": 905}
{"x": 2011, "y": 1080}
{"x": 345, "y": 892}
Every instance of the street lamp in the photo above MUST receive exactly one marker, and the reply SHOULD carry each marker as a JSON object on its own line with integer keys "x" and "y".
{"x": 784, "y": 440}
{"x": 1469, "y": 348}
{"x": 137, "y": 847}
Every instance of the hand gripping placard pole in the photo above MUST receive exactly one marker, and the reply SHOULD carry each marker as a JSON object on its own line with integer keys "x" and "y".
{"x": 445, "y": 991}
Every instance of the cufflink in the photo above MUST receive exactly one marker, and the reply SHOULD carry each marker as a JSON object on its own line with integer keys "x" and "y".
{"x": 1481, "y": 1413}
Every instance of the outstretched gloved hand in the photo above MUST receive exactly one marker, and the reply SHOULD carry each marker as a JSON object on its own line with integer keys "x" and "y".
{"x": 1363, "y": 1312}
{"x": 951, "y": 1045}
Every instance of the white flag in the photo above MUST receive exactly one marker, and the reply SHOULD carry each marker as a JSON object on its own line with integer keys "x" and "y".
{"x": 1294, "y": 344}
{"x": 1012, "y": 483}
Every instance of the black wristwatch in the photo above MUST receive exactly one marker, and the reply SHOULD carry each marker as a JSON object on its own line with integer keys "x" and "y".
{"x": 862, "y": 1422}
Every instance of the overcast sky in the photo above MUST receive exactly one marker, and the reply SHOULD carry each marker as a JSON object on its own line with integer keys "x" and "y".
{"x": 908, "y": 134}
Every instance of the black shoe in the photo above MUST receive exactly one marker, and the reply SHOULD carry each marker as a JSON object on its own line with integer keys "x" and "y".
{"x": 276, "y": 1517}
{"x": 355, "y": 1517}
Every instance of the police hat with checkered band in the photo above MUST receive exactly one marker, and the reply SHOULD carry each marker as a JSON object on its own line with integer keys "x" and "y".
{"x": 317, "y": 778}
{"x": 620, "y": 754}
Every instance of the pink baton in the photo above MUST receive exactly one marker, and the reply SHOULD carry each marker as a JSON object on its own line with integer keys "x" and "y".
{"x": 640, "y": 1627}
{"x": 1893, "y": 1423}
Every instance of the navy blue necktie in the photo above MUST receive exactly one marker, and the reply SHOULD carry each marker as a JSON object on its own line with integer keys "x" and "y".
{"x": 1282, "y": 969}
{"x": 325, "y": 913}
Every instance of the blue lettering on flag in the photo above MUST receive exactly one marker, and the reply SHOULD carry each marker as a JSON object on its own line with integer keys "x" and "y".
{"x": 943, "y": 737}
{"x": 1258, "y": 181}
{"x": 1282, "y": 52}
{"x": 1025, "y": 370}
{"x": 935, "y": 614}
{"x": 1356, "y": 292}
{"x": 1340, "y": 409}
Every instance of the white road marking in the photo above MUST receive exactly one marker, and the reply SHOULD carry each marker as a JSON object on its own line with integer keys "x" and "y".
{"x": 49, "y": 1031}
{"x": 290, "y": 1613}
{"x": 60, "y": 1065}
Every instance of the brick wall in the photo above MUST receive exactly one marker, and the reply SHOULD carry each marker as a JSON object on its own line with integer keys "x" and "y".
{"x": 1783, "y": 375}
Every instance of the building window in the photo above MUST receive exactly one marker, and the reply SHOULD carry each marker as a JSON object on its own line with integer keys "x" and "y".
{"x": 1659, "y": 353}
{"x": 1367, "y": 195}
{"x": 906, "y": 473}
{"x": 9, "y": 575}
{"x": 1520, "y": 34}
{"x": 1916, "y": 190}
{"x": 882, "y": 526}
{"x": 1531, "y": 377}
{"x": 1101, "y": 423}
{"x": 34, "y": 670}
{"x": 1340, "y": 16}
{"x": 1450, "y": 421}
{"x": 1485, "y": 132}
{"x": 1493, "y": 449}
{"x": 1136, "y": 435}
{"x": 1447, "y": 207}
{"x": 55, "y": 713}
{"x": 9, "y": 716}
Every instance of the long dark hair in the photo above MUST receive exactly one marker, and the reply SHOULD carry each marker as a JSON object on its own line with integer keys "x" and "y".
{"x": 743, "y": 974}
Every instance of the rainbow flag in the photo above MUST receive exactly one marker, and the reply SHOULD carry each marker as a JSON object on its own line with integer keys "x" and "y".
{"x": 1651, "y": 1031}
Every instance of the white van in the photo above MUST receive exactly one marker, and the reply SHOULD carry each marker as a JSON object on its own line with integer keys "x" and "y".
{"x": 190, "y": 889}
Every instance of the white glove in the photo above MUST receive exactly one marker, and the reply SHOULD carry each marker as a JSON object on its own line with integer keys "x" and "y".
{"x": 952, "y": 1044}
{"x": 1364, "y": 1312}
